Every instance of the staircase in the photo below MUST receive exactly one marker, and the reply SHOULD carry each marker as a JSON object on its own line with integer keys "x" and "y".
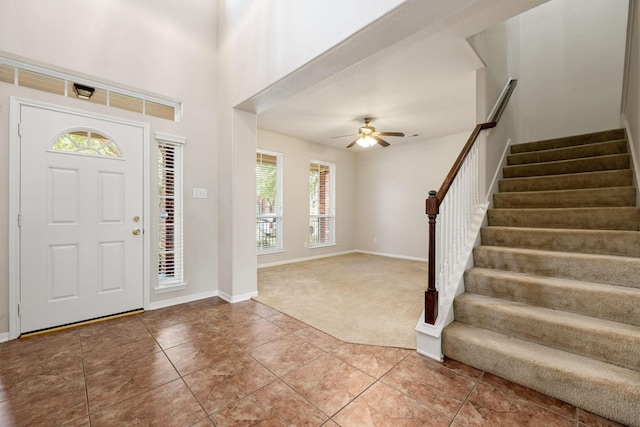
{"x": 553, "y": 299}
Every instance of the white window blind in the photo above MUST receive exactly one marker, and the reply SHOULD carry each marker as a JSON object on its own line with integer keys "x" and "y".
{"x": 321, "y": 204}
{"x": 170, "y": 248}
{"x": 269, "y": 220}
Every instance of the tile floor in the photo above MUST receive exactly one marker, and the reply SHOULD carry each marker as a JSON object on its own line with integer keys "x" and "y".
{"x": 212, "y": 363}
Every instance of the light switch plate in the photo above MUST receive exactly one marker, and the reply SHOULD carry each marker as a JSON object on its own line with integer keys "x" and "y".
{"x": 199, "y": 193}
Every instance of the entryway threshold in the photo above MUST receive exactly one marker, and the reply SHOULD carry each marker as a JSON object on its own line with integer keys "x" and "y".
{"x": 82, "y": 323}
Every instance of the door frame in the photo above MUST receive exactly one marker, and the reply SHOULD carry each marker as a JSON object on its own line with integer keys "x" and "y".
{"x": 15, "y": 186}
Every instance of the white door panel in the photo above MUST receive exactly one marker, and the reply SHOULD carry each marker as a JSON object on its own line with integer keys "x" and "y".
{"x": 79, "y": 258}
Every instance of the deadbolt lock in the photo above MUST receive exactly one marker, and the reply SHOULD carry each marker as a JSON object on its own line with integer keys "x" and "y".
{"x": 136, "y": 218}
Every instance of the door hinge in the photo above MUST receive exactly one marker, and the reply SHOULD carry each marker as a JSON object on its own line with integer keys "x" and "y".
{"x": 19, "y": 310}
{"x": 19, "y": 129}
{"x": 19, "y": 220}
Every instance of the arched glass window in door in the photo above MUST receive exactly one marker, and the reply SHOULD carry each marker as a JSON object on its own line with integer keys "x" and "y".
{"x": 87, "y": 142}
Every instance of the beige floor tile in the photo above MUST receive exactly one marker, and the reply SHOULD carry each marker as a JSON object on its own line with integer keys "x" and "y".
{"x": 285, "y": 354}
{"x": 381, "y": 405}
{"x": 273, "y": 405}
{"x": 171, "y": 404}
{"x": 329, "y": 383}
{"x": 228, "y": 381}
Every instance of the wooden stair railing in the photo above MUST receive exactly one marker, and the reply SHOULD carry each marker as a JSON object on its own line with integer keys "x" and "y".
{"x": 435, "y": 199}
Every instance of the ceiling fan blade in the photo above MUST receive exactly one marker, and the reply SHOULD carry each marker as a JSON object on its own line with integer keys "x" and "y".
{"x": 353, "y": 143}
{"x": 381, "y": 141}
{"x": 342, "y": 136}
{"x": 391, "y": 133}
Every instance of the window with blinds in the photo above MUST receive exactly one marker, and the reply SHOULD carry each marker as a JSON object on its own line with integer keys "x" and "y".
{"x": 321, "y": 204}
{"x": 170, "y": 250}
{"x": 269, "y": 225}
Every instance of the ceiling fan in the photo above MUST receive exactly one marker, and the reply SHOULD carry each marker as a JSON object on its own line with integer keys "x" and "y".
{"x": 368, "y": 136}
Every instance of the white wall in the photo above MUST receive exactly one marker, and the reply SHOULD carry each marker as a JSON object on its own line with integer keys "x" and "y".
{"x": 270, "y": 50}
{"x": 159, "y": 46}
{"x": 571, "y": 66}
{"x": 261, "y": 44}
{"x": 568, "y": 57}
{"x": 380, "y": 194}
{"x": 495, "y": 47}
{"x": 632, "y": 107}
{"x": 296, "y": 157}
{"x": 392, "y": 186}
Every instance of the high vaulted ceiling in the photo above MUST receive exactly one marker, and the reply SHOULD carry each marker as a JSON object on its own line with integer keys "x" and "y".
{"x": 424, "y": 85}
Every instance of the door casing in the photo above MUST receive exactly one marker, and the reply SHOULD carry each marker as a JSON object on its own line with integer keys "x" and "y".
{"x": 14, "y": 201}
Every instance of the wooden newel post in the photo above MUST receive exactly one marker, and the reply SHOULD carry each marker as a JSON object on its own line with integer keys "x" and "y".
{"x": 431, "y": 295}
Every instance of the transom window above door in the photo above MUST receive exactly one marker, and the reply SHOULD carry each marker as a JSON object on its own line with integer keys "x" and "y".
{"x": 86, "y": 142}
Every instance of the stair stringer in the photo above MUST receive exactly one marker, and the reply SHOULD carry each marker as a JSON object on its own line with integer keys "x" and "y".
{"x": 635, "y": 162}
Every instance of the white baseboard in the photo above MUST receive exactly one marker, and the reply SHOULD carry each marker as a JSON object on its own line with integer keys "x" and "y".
{"x": 493, "y": 187}
{"x": 181, "y": 300}
{"x": 4, "y": 336}
{"x": 292, "y": 261}
{"x": 237, "y": 298}
{"x": 411, "y": 258}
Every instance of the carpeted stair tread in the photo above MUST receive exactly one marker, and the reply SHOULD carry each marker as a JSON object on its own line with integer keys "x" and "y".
{"x": 611, "y": 178}
{"x": 552, "y": 299}
{"x": 606, "y": 218}
{"x": 575, "y": 333}
{"x": 615, "y": 303}
{"x": 605, "y": 269}
{"x": 569, "y": 141}
{"x": 605, "y": 389}
{"x": 606, "y": 242}
{"x": 566, "y": 153}
{"x": 584, "y": 197}
{"x": 560, "y": 167}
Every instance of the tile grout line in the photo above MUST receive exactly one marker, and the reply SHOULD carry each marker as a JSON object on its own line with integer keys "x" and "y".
{"x": 466, "y": 399}
{"x": 207, "y": 416}
{"x": 84, "y": 377}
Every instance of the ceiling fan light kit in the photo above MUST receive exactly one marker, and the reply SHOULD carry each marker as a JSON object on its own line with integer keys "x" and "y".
{"x": 366, "y": 141}
{"x": 368, "y": 136}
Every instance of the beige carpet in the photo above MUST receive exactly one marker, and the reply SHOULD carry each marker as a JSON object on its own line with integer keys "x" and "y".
{"x": 358, "y": 298}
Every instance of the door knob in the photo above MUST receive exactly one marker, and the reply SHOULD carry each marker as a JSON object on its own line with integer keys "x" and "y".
{"x": 136, "y": 232}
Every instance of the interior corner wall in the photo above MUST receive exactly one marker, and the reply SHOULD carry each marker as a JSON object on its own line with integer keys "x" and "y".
{"x": 571, "y": 61}
{"x": 632, "y": 107}
{"x": 264, "y": 41}
{"x": 156, "y": 46}
{"x": 296, "y": 156}
{"x": 569, "y": 74}
{"x": 260, "y": 44}
{"x": 496, "y": 47}
{"x": 392, "y": 185}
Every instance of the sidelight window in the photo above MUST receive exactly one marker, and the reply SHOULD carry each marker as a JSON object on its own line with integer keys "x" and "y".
{"x": 170, "y": 249}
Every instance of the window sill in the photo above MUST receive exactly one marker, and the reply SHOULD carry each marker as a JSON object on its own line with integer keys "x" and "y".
{"x": 275, "y": 251}
{"x": 324, "y": 245}
{"x": 160, "y": 289}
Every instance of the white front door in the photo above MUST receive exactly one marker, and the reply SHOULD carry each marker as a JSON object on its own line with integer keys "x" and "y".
{"x": 81, "y": 205}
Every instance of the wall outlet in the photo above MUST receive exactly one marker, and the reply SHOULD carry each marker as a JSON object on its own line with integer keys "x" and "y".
{"x": 306, "y": 244}
{"x": 375, "y": 240}
{"x": 199, "y": 193}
